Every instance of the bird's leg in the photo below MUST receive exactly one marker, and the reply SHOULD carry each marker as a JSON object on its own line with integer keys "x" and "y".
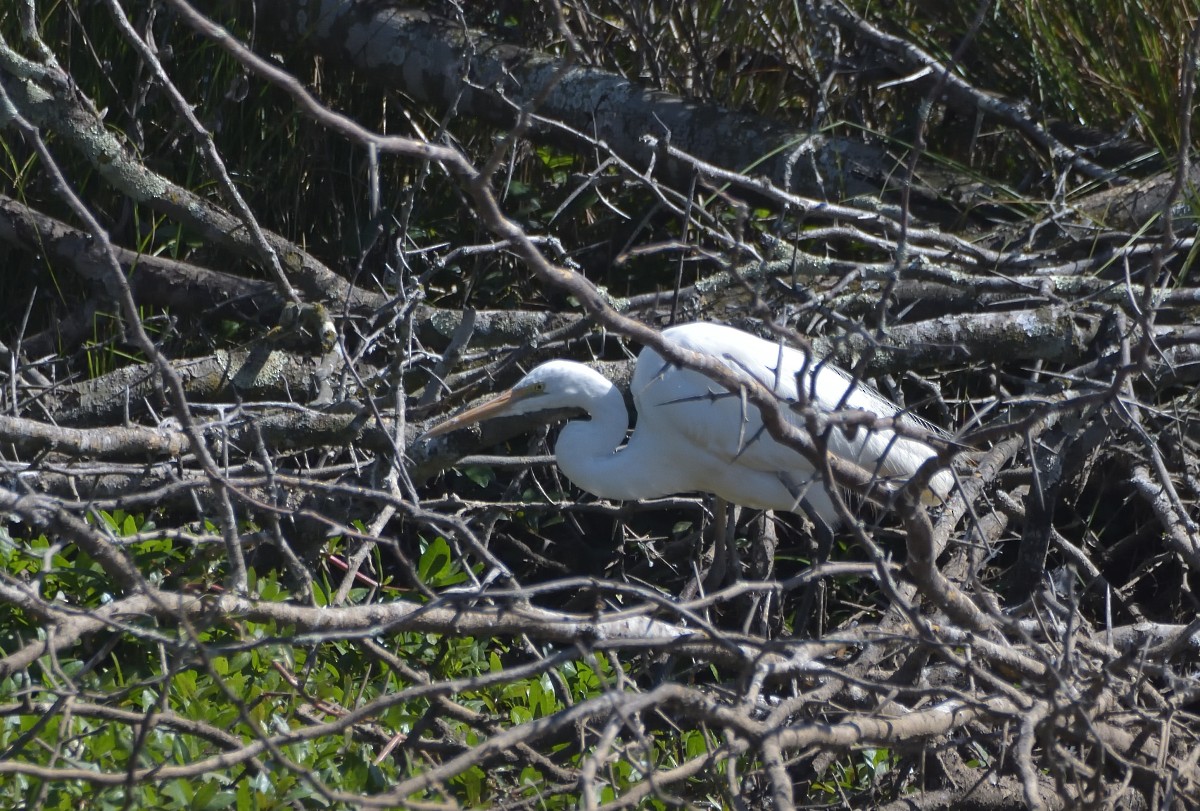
{"x": 733, "y": 559}
{"x": 759, "y": 609}
{"x": 799, "y": 491}
{"x": 822, "y": 538}
{"x": 726, "y": 564}
{"x": 822, "y": 531}
{"x": 716, "y": 573}
{"x": 812, "y": 601}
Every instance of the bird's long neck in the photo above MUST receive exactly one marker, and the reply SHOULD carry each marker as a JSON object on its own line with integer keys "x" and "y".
{"x": 589, "y": 452}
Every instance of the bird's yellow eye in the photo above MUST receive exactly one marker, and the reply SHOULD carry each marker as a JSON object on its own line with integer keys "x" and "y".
{"x": 529, "y": 390}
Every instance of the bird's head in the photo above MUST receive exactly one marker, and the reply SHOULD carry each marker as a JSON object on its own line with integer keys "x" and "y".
{"x": 554, "y": 386}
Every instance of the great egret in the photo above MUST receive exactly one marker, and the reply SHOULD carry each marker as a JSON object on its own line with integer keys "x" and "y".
{"x": 693, "y": 435}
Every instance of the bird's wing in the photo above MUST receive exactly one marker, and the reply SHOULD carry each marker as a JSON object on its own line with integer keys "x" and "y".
{"x": 671, "y": 400}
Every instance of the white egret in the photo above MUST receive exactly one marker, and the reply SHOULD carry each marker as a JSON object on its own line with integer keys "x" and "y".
{"x": 693, "y": 435}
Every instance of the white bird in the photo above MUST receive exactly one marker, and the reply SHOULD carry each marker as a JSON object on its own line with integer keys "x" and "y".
{"x": 693, "y": 435}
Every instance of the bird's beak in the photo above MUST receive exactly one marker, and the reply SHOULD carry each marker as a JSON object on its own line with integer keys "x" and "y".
{"x": 492, "y": 408}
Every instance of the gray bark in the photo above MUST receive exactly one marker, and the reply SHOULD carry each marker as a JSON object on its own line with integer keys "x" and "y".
{"x": 441, "y": 63}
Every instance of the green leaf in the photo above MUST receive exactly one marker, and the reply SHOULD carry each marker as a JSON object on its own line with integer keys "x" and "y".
{"x": 482, "y": 475}
{"x": 435, "y": 561}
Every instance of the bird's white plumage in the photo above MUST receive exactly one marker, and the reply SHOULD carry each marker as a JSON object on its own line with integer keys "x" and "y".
{"x": 693, "y": 435}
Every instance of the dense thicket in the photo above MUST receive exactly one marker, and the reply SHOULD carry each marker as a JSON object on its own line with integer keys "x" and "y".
{"x": 252, "y": 251}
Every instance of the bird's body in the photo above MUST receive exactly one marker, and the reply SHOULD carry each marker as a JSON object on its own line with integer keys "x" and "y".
{"x": 693, "y": 435}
